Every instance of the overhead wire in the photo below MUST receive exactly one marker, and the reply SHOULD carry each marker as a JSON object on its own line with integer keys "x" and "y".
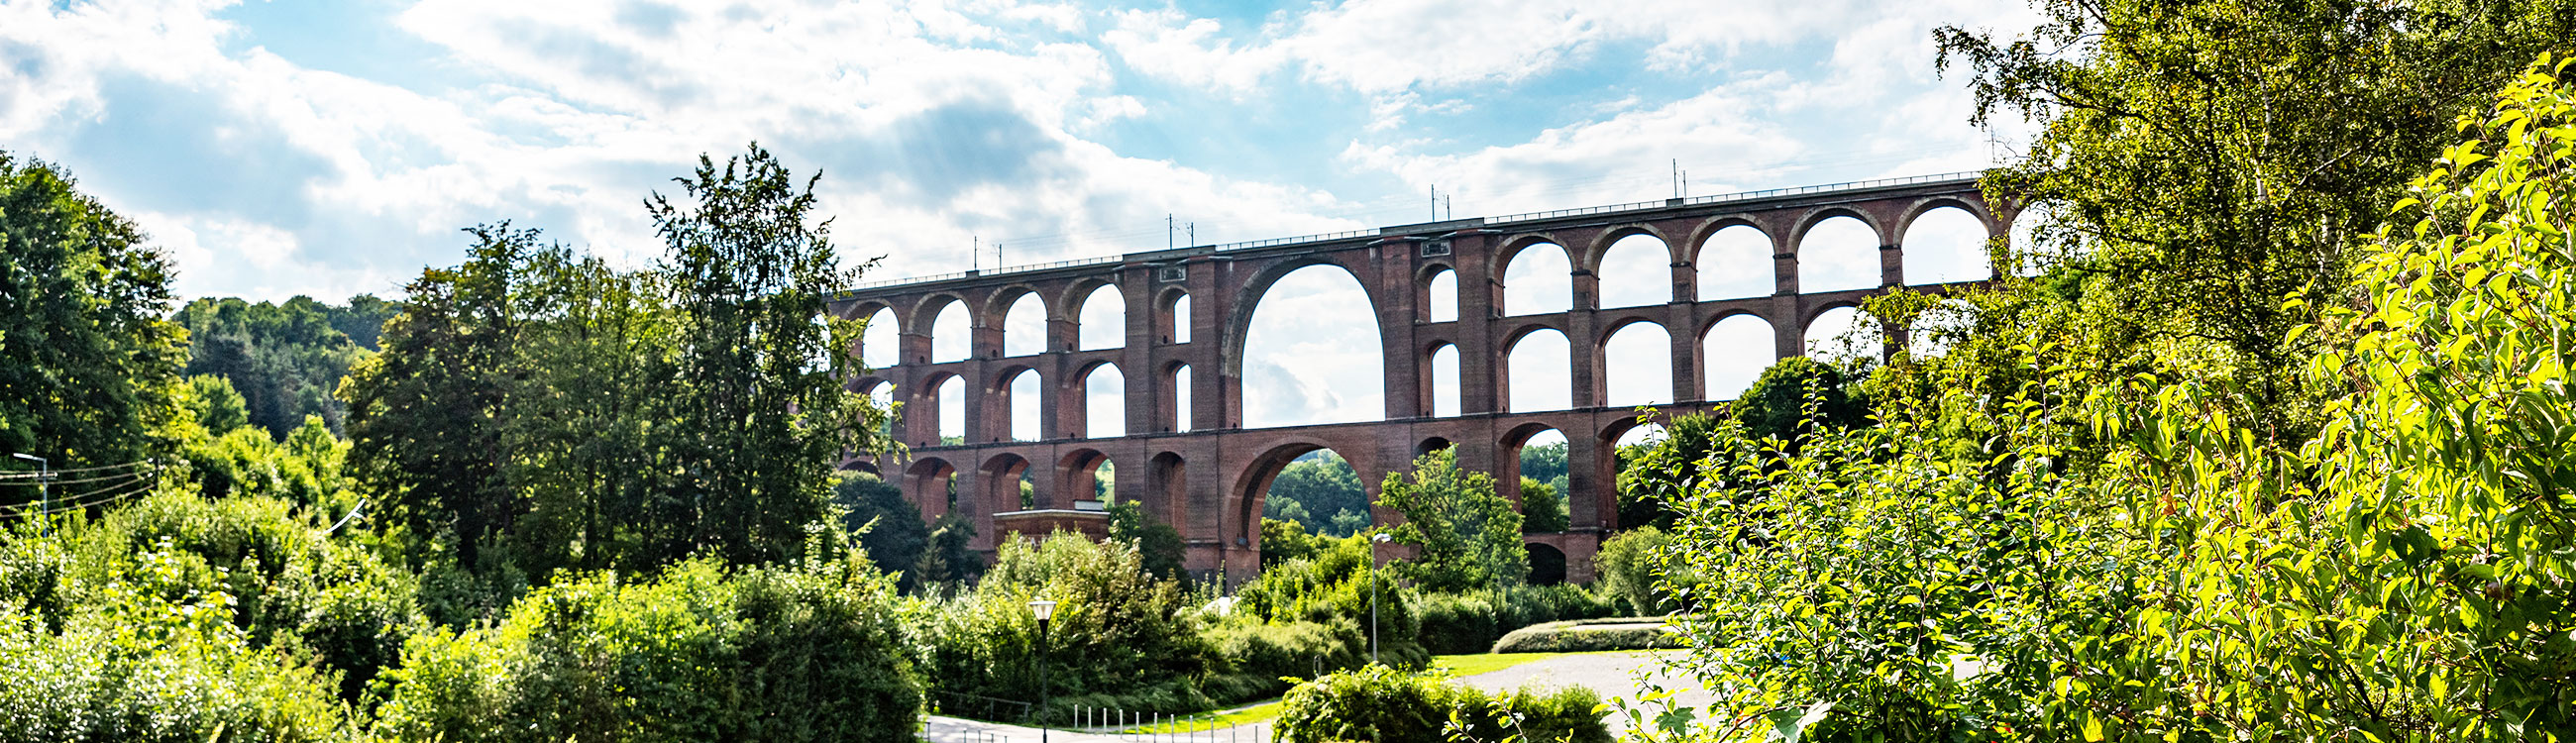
{"x": 57, "y": 473}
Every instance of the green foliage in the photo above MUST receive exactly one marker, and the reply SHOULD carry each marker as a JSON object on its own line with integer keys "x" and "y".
{"x": 2205, "y": 160}
{"x": 285, "y": 359}
{"x": 1157, "y": 543}
{"x": 1471, "y": 621}
{"x": 1321, "y": 492}
{"x": 1465, "y": 536}
{"x": 535, "y": 410}
{"x": 1120, "y": 637}
{"x": 214, "y": 405}
{"x": 806, "y": 651}
{"x": 1632, "y": 568}
{"x": 87, "y": 364}
{"x": 1654, "y": 473}
{"x": 1382, "y": 704}
{"x": 949, "y": 557}
{"x": 1776, "y": 403}
{"x": 1321, "y": 599}
{"x": 1542, "y": 508}
{"x": 2402, "y": 574}
{"x": 896, "y": 538}
{"x": 1582, "y": 637}
{"x": 1283, "y": 541}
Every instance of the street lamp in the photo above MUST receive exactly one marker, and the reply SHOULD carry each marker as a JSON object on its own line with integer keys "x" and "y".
{"x": 44, "y": 493}
{"x": 1045, "y": 609}
{"x": 1375, "y": 540}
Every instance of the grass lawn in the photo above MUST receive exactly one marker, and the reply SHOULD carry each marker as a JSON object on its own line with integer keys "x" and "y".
{"x": 1228, "y": 718}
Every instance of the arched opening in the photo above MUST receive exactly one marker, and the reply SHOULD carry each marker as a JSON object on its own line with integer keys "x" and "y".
{"x": 1734, "y": 352}
{"x": 1845, "y": 334}
{"x": 1102, "y": 323}
{"x": 932, "y": 483}
{"x": 1837, "y": 254}
{"x": 1104, "y": 402}
{"x": 1175, "y": 323}
{"x": 1945, "y": 245}
{"x": 1540, "y": 482}
{"x": 881, "y": 395}
{"x": 1008, "y": 485}
{"x": 1178, "y": 389}
{"x": 878, "y": 342}
{"x": 1312, "y": 353}
{"x": 951, "y": 334}
{"x": 1430, "y": 445}
{"x": 1024, "y": 327}
{"x": 1320, "y": 492}
{"x": 1088, "y": 475}
{"x": 1440, "y": 296}
{"x": 1637, "y": 366}
{"x": 952, "y": 410}
{"x": 1444, "y": 381}
{"x": 1636, "y": 271}
{"x": 1736, "y": 262}
{"x": 1540, "y": 280}
{"x": 1939, "y": 327}
{"x": 1546, "y": 564}
{"x": 1640, "y": 435}
{"x": 1170, "y": 486}
{"x": 1024, "y": 390}
{"x": 1539, "y": 372}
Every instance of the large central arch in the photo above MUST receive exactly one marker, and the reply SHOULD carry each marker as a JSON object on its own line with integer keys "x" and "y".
{"x": 1433, "y": 291}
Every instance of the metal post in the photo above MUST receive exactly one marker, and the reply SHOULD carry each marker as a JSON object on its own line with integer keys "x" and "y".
{"x": 1043, "y": 692}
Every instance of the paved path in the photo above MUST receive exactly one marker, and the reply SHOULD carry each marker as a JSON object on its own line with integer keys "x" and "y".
{"x": 1614, "y": 675}
{"x": 954, "y": 730}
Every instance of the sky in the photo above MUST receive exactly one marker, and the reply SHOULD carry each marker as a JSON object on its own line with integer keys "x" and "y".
{"x": 329, "y": 148}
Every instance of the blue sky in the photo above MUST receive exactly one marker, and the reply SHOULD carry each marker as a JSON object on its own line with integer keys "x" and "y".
{"x": 329, "y": 148}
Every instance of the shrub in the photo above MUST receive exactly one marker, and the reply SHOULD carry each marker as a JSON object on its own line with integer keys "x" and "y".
{"x": 1633, "y": 571}
{"x": 1465, "y": 536}
{"x": 1385, "y": 705}
{"x": 151, "y": 654}
{"x": 1470, "y": 622}
{"x": 1587, "y": 637}
{"x": 1119, "y": 637}
{"x": 802, "y": 652}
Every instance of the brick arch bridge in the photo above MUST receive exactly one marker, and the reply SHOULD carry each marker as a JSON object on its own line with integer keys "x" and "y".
{"x": 1198, "y": 468}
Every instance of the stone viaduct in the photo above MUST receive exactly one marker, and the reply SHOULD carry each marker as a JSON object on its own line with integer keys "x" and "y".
{"x": 1197, "y": 467}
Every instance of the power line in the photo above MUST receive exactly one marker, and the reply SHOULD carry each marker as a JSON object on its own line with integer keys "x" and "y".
{"x": 36, "y": 475}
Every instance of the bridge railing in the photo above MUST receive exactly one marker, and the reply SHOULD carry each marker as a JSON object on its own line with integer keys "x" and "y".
{"x": 1505, "y": 219}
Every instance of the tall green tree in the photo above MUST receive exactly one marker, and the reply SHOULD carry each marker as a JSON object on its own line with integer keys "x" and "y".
{"x": 1465, "y": 535}
{"x": 88, "y": 365}
{"x": 286, "y": 360}
{"x": 2202, "y": 162}
{"x": 587, "y": 415}
{"x": 426, "y": 417}
{"x": 763, "y": 418}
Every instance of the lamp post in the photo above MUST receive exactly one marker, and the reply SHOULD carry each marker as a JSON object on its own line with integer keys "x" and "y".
{"x": 44, "y": 491}
{"x": 1045, "y": 610}
{"x": 1374, "y": 540}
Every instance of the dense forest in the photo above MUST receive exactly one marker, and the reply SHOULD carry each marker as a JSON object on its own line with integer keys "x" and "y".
{"x": 2261, "y": 435}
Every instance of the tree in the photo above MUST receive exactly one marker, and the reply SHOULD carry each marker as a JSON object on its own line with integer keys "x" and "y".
{"x": 1157, "y": 544}
{"x": 1315, "y": 491}
{"x": 87, "y": 364}
{"x": 763, "y": 418}
{"x": 896, "y": 538}
{"x": 1466, "y": 536}
{"x": 425, "y": 417}
{"x": 1542, "y": 508}
{"x": 286, "y": 359}
{"x": 1778, "y": 401}
{"x": 2211, "y": 159}
{"x": 211, "y": 401}
{"x": 950, "y": 558}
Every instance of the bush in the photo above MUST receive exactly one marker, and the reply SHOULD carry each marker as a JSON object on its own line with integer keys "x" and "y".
{"x": 1633, "y": 572}
{"x": 802, "y": 652}
{"x": 1588, "y": 637}
{"x": 1470, "y": 622}
{"x": 150, "y": 653}
{"x": 1385, "y": 705}
{"x": 1119, "y": 637}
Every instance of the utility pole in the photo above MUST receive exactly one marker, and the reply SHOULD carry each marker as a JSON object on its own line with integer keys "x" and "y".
{"x": 1435, "y": 202}
{"x": 1169, "y": 229}
{"x": 975, "y": 256}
